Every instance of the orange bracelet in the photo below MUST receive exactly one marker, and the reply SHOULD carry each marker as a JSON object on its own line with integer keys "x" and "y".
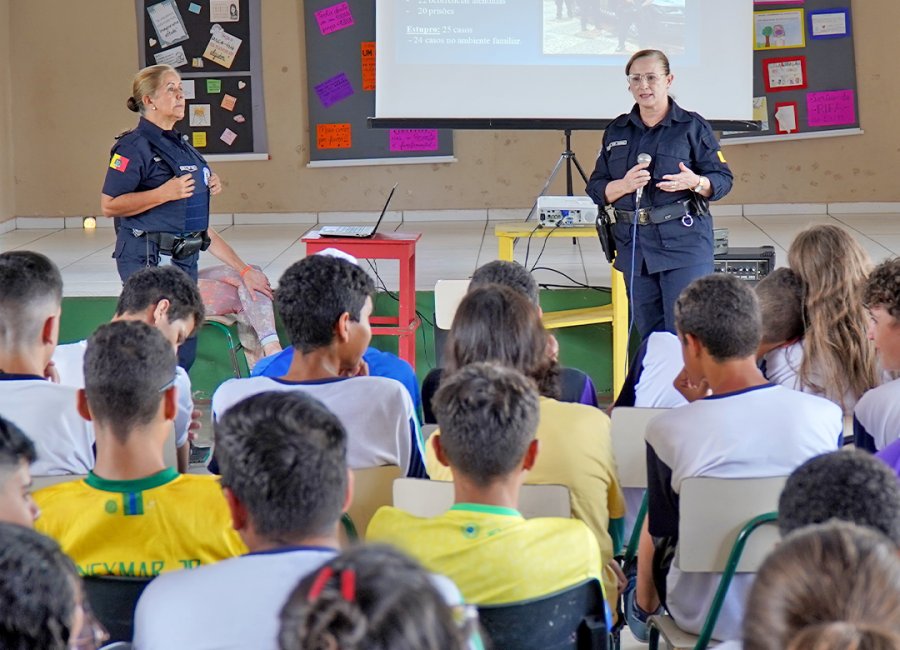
{"x": 245, "y": 269}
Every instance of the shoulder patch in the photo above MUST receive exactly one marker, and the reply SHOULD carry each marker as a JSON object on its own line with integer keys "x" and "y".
{"x": 721, "y": 157}
{"x": 119, "y": 163}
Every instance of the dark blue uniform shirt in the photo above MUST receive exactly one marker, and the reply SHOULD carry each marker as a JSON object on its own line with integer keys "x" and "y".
{"x": 681, "y": 136}
{"x": 138, "y": 168}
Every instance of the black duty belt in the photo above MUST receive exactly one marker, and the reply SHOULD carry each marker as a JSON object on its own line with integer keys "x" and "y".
{"x": 660, "y": 214}
{"x": 179, "y": 246}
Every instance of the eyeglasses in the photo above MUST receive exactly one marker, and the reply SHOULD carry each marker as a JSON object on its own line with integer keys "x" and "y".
{"x": 652, "y": 78}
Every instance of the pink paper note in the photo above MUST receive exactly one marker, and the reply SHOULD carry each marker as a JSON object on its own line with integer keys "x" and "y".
{"x": 414, "y": 140}
{"x": 334, "y": 18}
{"x": 831, "y": 108}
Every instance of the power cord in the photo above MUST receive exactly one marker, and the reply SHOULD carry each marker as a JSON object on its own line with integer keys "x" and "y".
{"x": 543, "y": 247}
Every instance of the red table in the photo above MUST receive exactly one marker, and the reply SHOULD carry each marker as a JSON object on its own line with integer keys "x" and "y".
{"x": 389, "y": 246}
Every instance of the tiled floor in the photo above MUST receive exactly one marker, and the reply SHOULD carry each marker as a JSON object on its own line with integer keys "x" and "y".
{"x": 448, "y": 249}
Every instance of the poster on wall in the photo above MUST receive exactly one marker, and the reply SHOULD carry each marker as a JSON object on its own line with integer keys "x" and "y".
{"x": 786, "y": 73}
{"x": 778, "y": 30}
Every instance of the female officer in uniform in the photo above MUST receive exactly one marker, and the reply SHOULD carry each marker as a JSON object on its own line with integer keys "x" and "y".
{"x": 668, "y": 242}
{"x": 158, "y": 188}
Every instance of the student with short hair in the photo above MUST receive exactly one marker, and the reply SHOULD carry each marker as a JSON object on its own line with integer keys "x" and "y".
{"x": 16, "y": 456}
{"x": 43, "y": 600}
{"x": 371, "y": 597}
{"x": 746, "y": 428}
{"x": 848, "y": 485}
{"x": 876, "y": 418}
{"x": 325, "y": 303}
{"x": 283, "y": 458}
{"x": 133, "y": 515}
{"x": 30, "y": 308}
{"x": 489, "y": 417}
{"x": 831, "y": 586}
{"x": 166, "y": 298}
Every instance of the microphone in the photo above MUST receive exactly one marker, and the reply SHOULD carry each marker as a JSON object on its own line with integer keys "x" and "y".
{"x": 643, "y": 159}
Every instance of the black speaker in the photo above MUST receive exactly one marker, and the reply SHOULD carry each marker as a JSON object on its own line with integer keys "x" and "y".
{"x": 751, "y": 263}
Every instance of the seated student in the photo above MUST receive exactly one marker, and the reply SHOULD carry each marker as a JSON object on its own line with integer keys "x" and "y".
{"x": 489, "y": 416}
{"x": 494, "y": 323}
{"x": 833, "y": 586}
{"x": 574, "y": 385}
{"x": 325, "y": 303}
{"x": 16, "y": 455}
{"x": 133, "y": 515}
{"x": 371, "y": 597}
{"x": 166, "y": 298}
{"x": 849, "y": 485}
{"x": 376, "y": 362}
{"x": 30, "y": 306}
{"x": 283, "y": 458}
{"x": 876, "y": 418}
{"x": 838, "y": 362}
{"x": 746, "y": 428}
{"x": 780, "y": 353}
{"x": 44, "y": 605}
{"x": 653, "y": 369}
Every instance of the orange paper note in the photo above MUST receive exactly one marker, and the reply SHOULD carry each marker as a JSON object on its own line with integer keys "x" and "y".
{"x": 368, "y": 65}
{"x": 333, "y": 136}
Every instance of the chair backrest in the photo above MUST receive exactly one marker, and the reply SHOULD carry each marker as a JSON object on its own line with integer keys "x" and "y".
{"x": 627, "y": 430}
{"x": 113, "y": 600}
{"x": 372, "y": 488}
{"x": 424, "y": 498}
{"x": 712, "y": 513}
{"x": 447, "y": 296}
{"x": 572, "y": 618}
{"x": 38, "y": 482}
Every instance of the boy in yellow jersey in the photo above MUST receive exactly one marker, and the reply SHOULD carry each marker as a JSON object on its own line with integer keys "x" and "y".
{"x": 133, "y": 515}
{"x": 488, "y": 416}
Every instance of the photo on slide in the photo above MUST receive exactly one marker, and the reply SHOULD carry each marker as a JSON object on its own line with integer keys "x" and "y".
{"x": 604, "y": 27}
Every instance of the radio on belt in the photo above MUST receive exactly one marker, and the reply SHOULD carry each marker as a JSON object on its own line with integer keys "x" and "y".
{"x": 561, "y": 211}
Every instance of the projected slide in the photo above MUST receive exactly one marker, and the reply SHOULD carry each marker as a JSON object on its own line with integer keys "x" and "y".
{"x": 536, "y": 32}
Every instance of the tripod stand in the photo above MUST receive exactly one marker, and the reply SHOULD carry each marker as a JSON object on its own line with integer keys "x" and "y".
{"x": 567, "y": 156}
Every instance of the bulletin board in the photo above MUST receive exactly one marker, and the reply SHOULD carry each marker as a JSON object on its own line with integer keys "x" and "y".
{"x": 340, "y": 61}
{"x": 804, "y": 71}
{"x": 215, "y": 46}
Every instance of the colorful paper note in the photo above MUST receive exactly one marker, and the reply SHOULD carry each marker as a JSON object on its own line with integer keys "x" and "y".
{"x": 831, "y": 108}
{"x": 240, "y": 119}
{"x": 242, "y": 85}
{"x": 199, "y": 139}
{"x": 414, "y": 140}
{"x": 222, "y": 47}
{"x": 174, "y": 57}
{"x": 333, "y": 90}
{"x": 194, "y": 8}
{"x": 213, "y": 86}
{"x": 334, "y": 18}
{"x": 167, "y": 22}
{"x": 333, "y": 136}
{"x": 199, "y": 115}
{"x": 367, "y": 51}
{"x": 228, "y": 102}
{"x": 190, "y": 90}
{"x": 830, "y": 23}
{"x": 786, "y": 117}
{"x": 228, "y": 136}
{"x": 224, "y": 11}
{"x": 197, "y": 62}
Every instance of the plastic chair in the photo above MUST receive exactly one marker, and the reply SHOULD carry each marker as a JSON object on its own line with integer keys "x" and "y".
{"x": 572, "y": 618}
{"x": 720, "y": 530}
{"x": 424, "y": 498}
{"x": 113, "y": 600}
{"x": 447, "y": 296}
{"x": 372, "y": 488}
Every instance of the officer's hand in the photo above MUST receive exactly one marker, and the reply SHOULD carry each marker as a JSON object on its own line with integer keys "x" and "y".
{"x": 255, "y": 280}
{"x": 683, "y": 180}
{"x": 215, "y": 184}
{"x": 179, "y": 187}
{"x": 636, "y": 177}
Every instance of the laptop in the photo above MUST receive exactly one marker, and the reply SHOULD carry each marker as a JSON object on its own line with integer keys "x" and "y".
{"x": 362, "y": 232}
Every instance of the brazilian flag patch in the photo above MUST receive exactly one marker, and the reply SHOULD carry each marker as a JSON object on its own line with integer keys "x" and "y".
{"x": 132, "y": 503}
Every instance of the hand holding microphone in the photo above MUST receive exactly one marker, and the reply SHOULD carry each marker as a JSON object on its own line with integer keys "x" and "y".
{"x": 642, "y": 176}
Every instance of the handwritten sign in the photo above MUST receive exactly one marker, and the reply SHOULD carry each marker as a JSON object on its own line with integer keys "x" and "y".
{"x": 788, "y": 73}
{"x": 174, "y": 57}
{"x": 167, "y": 22}
{"x": 414, "y": 140}
{"x": 213, "y": 86}
{"x": 334, "y": 18}
{"x": 367, "y": 51}
{"x": 199, "y": 139}
{"x": 333, "y": 136}
{"x": 333, "y": 90}
{"x": 222, "y": 47}
{"x": 830, "y": 108}
{"x": 228, "y": 102}
{"x": 228, "y": 136}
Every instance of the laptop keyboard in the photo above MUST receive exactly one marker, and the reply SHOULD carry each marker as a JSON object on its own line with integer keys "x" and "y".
{"x": 345, "y": 230}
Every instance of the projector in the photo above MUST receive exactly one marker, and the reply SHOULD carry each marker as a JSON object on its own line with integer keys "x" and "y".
{"x": 561, "y": 211}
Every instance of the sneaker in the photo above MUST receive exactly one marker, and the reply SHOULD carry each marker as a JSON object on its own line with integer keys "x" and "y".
{"x": 635, "y": 617}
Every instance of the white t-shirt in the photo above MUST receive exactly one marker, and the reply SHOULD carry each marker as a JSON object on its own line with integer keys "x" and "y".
{"x": 233, "y": 604}
{"x": 377, "y": 413}
{"x": 758, "y": 432}
{"x": 782, "y": 366}
{"x": 48, "y": 414}
{"x": 69, "y": 362}
{"x": 876, "y": 418}
{"x": 661, "y": 364}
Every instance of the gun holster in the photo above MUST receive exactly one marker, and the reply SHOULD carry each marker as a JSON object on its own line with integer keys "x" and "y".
{"x": 604, "y": 232}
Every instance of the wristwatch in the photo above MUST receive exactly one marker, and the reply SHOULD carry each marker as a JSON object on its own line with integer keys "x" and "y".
{"x": 700, "y": 184}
